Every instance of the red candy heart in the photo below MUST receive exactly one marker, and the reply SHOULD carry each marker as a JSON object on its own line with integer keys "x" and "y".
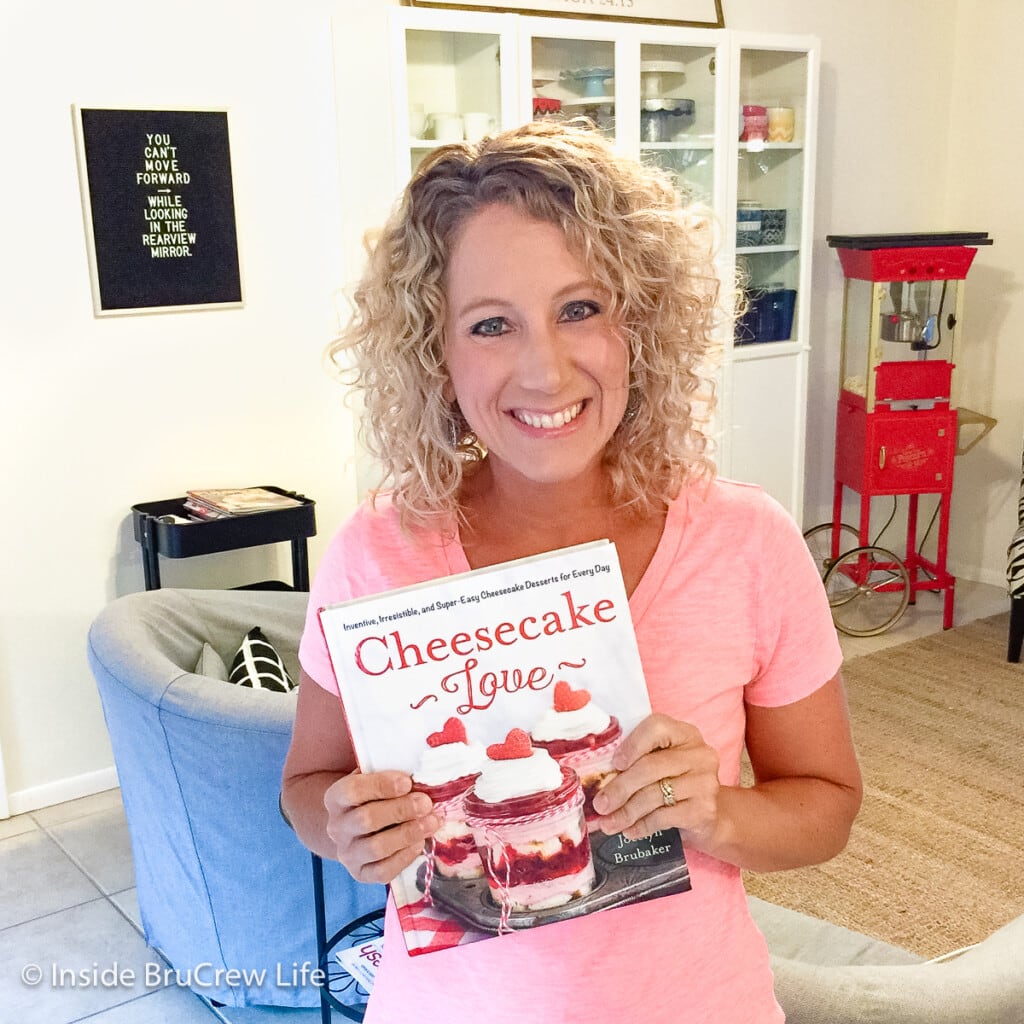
{"x": 568, "y": 699}
{"x": 453, "y": 732}
{"x": 517, "y": 744}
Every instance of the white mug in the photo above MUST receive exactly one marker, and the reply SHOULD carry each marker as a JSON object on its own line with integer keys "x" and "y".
{"x": 447, "y": 127}
{"x": 417, "y": 120}
{"x": 477, "y": 125}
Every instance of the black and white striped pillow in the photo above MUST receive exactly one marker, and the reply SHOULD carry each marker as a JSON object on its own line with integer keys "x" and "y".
{"x": 1015, "y": 552}
{"x": 257, "y": 664}
{"x": 1015, "y": 564}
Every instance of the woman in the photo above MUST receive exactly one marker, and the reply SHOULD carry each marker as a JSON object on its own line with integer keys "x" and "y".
{"x": 532, "y": 336}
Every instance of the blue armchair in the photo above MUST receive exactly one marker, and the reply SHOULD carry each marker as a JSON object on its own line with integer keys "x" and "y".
{"x": 221, "y": 878}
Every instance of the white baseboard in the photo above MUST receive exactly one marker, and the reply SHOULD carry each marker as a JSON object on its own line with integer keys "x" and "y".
{"x": 58, "y": 792}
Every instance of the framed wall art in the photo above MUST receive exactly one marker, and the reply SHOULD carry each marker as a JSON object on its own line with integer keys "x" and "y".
{"x": 705, "y": 13}
{"x": 159, "y": 209}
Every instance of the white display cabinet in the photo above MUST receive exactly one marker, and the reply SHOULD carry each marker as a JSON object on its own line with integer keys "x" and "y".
{"x": 673, "y": 97}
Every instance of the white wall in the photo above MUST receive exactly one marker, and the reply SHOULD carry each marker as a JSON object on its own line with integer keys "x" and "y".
{"x": 99, "y": 414}
{"x": 983, "y": 152}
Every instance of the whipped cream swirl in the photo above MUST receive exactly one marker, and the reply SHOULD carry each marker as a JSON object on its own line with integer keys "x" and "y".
{"x": 519, "y": 776}
{"x": 571, "y": 725}
{"x": 449, "y": 761}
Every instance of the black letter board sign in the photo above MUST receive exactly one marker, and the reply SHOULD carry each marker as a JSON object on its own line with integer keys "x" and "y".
{"x": 159, "y": 209}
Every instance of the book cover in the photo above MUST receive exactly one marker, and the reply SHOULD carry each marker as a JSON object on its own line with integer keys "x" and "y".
{"x": 198, "y": 511}
{"x": 240, "y": 501}
{"x": 504, "y": 692}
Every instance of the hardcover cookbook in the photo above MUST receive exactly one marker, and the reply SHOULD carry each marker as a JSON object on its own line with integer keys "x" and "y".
{"x": 504, "y": 692}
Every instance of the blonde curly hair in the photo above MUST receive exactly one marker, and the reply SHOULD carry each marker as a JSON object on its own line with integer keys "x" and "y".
{"x": 641, "y": 242}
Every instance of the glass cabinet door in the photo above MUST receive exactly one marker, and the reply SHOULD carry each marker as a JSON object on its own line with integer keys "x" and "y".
{"x": 677, "y": 114}
{"x": 453, "y": 85}
{"x": 572, "y": 78}
{"x": 770, "y": 184}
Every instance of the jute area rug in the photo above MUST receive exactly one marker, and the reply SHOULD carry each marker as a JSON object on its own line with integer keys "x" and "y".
{"x": 936, "y": 858}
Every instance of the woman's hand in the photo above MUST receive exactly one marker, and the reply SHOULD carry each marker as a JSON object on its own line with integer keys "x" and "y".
{"x": 377, "y": 823}
{"x": 806, "y": 792}
{"x": 373, "y": 823}
{"x": 668, "y": 778}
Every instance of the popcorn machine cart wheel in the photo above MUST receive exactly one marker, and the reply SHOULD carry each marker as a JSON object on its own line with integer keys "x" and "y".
{"x": 896, "y": 432}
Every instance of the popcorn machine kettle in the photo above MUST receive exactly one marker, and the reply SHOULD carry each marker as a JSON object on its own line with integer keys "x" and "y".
{"x": 896, "y": 430}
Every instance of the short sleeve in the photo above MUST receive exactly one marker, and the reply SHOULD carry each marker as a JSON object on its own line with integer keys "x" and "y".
{"x": 796, "y": 649}
{"x": 370, "y": 554}
{"x": 330, "y": 585}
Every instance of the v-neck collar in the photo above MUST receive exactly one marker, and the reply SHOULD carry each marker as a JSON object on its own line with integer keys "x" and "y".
{"x": 663, "y": 559}
{"x": 654, "y": 575}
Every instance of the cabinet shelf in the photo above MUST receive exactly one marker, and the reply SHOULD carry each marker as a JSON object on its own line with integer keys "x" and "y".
{"x": 768, "y": 147}
{"x": 765, "y": 350}
{"x": 582, "y": 102}
{"x": 705, "y": 143}
{"x": 761, "y": 250}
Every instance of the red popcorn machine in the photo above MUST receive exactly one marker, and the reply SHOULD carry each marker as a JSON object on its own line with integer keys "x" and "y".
{"x": 896, "y": 429}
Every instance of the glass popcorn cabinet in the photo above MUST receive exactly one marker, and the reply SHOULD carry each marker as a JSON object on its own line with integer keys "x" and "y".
{"x": 896, "y": 426}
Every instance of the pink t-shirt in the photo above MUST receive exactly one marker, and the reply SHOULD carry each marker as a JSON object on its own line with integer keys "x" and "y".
{"x": 730, "y": 610}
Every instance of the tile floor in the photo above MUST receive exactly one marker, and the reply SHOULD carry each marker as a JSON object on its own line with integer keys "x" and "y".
{"x": 68, "y": 907}
{"x": 68, "y": 902}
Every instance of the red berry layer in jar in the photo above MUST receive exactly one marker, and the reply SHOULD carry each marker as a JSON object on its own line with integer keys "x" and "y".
{"x": 455, "y": 852}
{"x": 593, "y": 740}
{"x": 447, "y": 790}
{"x": 458, "y": 857}
{"x": 530, "y": 868}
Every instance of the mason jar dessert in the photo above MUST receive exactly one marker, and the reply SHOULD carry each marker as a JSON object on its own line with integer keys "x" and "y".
{"x": 526, "y": 814}
{"x": 447, "y": 769}
{"x": 580, "y": 735}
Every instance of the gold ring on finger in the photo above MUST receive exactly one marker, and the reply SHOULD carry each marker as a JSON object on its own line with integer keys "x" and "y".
{"x": 668, "y": 794}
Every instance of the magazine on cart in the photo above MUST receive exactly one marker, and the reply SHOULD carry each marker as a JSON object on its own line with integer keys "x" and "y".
{"x": 238, "y": 501}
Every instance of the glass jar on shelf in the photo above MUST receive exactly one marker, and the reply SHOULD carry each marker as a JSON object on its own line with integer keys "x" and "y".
{"x": 748, "y": 223}
{"x": 754, "y": 122}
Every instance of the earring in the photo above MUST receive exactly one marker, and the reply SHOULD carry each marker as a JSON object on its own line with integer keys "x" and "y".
{"x": 461, "y": 437}
{"x": 632, "y": 406}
